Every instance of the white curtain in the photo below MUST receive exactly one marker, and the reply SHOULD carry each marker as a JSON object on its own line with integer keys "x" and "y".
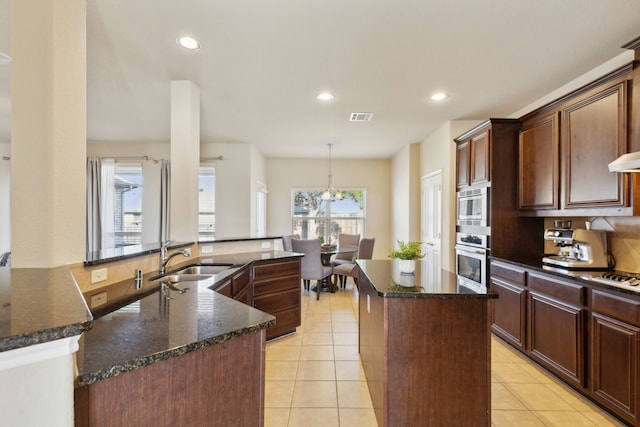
{"x": 107, "y": 217}
{"x": 165, "y": 199}
{"x": 94, "y": 227}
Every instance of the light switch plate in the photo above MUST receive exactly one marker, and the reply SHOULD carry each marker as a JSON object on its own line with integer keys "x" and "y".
{"x": 99, "y": 275}
{"x": 266, "y": 245}
{"x": 206, "y": 249}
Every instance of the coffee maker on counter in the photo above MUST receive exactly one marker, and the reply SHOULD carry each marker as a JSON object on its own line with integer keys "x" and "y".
{"x": 582, "y": 249}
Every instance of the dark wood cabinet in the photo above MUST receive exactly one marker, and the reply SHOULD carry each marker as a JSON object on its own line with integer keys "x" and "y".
{"x": 473, "y": 158}
{"x": 480, "y": 171}
{"x": 585, "y": 335}
{"x": 539, "y": 160}
{"x": 566, "y": 146}
{"x": 463, "y": 157}
{"x": 594, "y": 134}
{"x": 615, "y": 352}
{"x": 276, "y": 290}
{"x": 510, "y": 309}
{"x": 487, "y": 155}
{"x": 556, "y": 317}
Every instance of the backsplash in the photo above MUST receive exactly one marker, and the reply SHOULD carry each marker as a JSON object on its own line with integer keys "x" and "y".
{"x": 623, "y": 238}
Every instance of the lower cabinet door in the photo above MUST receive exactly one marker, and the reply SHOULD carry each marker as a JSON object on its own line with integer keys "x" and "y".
{"x": 556, "y": 332}
{"x": 614, "y": 364}
{"x": 509, "y": 312}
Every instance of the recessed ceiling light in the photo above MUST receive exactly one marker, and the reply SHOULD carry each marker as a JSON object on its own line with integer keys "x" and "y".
{"x": 438, "y": 96}
{"x": 324, "y": 96}
{"x": 188, "y": 43}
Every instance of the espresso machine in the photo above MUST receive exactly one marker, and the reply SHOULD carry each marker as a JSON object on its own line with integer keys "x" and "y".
{"x": 579, "y": 249}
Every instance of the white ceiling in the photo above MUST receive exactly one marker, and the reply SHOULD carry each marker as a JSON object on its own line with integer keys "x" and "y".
{"x": 263, "y": 62}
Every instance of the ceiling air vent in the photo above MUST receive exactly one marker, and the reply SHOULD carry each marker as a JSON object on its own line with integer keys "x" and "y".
{"x": 360, "y": 117}
{"x": 4, "y": 58}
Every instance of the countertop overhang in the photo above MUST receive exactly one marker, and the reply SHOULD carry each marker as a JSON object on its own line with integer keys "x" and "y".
{"x": 40, "y": 305}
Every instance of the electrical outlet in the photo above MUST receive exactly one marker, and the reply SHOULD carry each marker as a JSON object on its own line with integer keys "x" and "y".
{"x": 99, "y": 275}
{"x": 206, "y": 249}
{"x": 98, "y": 299}
{"x": 266, "y": 245}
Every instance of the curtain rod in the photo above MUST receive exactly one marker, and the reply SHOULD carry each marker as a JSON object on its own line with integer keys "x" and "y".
{"x": 134, "y": 158}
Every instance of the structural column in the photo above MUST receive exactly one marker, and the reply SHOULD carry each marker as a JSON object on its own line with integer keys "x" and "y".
{"x": 185, "y": 160}
{"x": 48, "y": 132}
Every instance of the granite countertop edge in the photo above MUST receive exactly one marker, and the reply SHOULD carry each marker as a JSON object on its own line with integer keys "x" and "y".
{"x": 43, "y": 336}
{"x": 423, "y": 295}
{"x": 88, "y": 378}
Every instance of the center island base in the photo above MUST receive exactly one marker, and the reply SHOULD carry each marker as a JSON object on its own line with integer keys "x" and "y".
{"x": 426, "y": 351}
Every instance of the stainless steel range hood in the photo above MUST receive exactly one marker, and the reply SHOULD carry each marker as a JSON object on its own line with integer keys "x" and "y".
{"x": 629, "y": 162}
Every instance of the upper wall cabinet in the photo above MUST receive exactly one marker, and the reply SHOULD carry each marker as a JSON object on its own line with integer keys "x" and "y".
{"x": 473, "y": 157}
{"x": 565, "y": 149}
{"x": 538, "y": 168}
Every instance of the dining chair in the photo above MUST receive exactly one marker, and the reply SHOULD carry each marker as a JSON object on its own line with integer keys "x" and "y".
{"x": 345, "y": 239}
{"x": 311, "y": 264}
{"x": 286, "y": 241}
{"x": 342, "y": 271}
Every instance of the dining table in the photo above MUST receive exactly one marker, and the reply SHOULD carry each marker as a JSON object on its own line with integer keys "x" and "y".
{"x": 326, "y": 252}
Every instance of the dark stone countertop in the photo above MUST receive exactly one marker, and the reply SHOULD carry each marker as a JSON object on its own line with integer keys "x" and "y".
{"x": 38, "y": 305}
{"x": 580, "y": 276}
{"x": 164, "y": 323}
{"x": 426, "y": 282}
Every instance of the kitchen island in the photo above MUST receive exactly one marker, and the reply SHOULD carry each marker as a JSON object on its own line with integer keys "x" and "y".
{"x": 188, "y": 353}
{"x": 425, "y": 346}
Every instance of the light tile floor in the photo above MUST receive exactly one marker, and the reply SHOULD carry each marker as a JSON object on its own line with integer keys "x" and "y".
{"x": 315, "y": 378}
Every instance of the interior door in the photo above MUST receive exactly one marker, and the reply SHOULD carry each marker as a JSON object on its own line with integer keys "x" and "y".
{"x": 431, "y": 226}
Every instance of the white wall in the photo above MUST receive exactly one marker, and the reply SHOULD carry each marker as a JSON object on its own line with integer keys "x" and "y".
{"x": 405, "y": 194}
{"x": 438, "y": 152}
{"x": 233, "y": 188}
{"x": 5, "y": 199}
{"x": 372, "y": 175}
{"x": 258, "y": 174}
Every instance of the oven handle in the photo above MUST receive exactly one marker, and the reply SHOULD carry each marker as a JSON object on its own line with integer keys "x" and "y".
{"x": 471, "y": 250}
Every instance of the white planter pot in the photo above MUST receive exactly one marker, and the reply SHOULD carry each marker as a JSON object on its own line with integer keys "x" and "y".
{"x": 407, "y": 266}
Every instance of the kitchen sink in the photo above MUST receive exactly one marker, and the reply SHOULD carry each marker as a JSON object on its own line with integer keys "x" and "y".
{"x": 188, "y": 277}
{"x": 203, "y": 269}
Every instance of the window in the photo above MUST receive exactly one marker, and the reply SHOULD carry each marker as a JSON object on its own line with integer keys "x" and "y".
{"x": 128, "y": 203}
{"x": 313, "y": 217}
{"x": 207, "y": 202}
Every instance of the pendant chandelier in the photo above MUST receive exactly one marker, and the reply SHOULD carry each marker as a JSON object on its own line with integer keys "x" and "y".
{"x": 329, "y": 192}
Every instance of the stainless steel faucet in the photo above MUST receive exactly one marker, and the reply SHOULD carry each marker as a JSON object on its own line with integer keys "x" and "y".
{"x": 164, "y": 259}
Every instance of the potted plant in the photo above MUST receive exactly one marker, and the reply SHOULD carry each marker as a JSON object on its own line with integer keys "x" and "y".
{"x": 407, "y": 255}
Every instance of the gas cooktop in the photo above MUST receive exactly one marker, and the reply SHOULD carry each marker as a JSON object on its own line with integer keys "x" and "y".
{"x": 620, "y": 279}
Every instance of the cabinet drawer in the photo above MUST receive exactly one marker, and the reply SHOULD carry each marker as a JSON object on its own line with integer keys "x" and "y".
{"x": 617, "y": 307}
{"x": 273, "y": 303}
{"x": 565, "y": 291}
{"x": 277, "y": 284}
{"x": 265, "y": 271}
{"x": 512, "y": 274}
{"x": 286, "y": 321}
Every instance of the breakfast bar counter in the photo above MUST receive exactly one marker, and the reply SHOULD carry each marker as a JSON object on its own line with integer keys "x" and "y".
{"x": 425, "y": 346}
